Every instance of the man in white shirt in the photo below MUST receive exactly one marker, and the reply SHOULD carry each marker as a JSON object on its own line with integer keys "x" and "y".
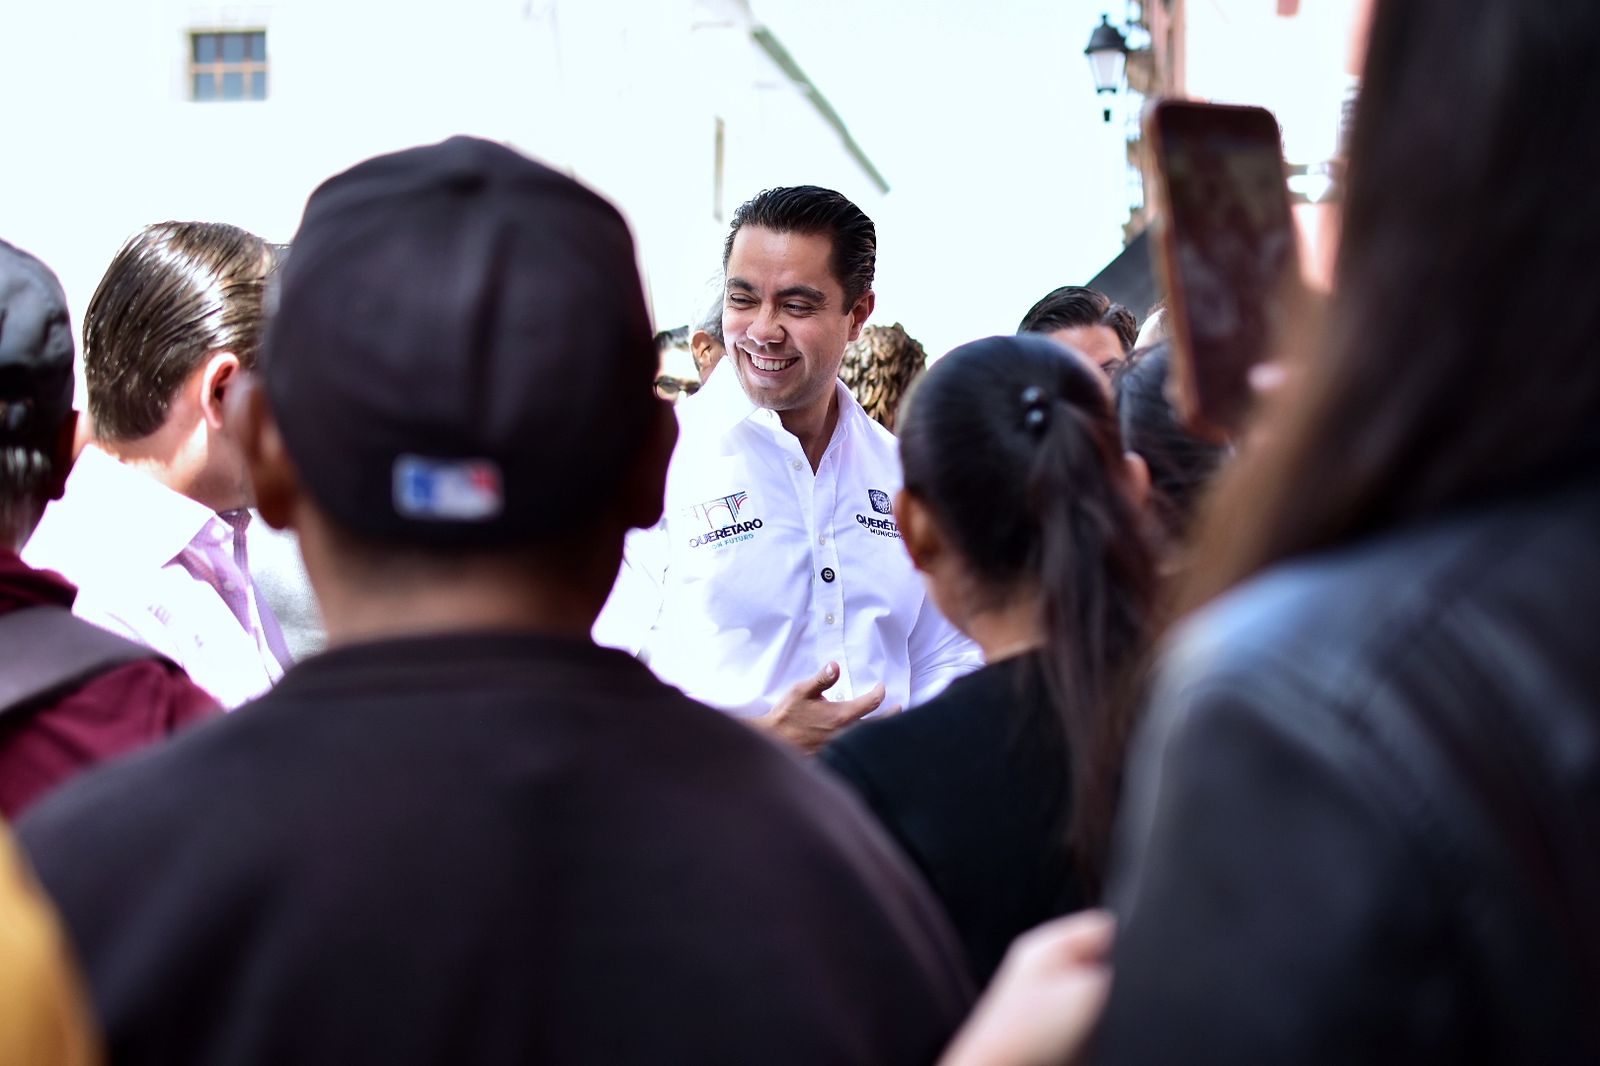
{"x": 151, "y": 527}
{"x": 776, "y": 573}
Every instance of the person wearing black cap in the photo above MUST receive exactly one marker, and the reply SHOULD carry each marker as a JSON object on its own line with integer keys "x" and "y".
{"x": 465, "y": 833}
{"x": 71, "y": 694}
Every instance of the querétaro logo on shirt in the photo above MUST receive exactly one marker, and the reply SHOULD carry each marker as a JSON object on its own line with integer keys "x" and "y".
{"x": 883, "y": 527}
{"x": 721, "y": 517}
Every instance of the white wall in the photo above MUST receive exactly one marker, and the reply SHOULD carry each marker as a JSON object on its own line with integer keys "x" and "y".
{"x": 601, "y": 89}
{"x": 1004, "y": 182}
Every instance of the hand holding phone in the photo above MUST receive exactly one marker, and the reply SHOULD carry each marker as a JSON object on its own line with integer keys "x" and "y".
{"x": 1225, "y": 246}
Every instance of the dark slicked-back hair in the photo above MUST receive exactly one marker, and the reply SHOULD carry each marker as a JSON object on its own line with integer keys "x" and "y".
{"x": 677, "y": 337}
{"x": 809, "y": 209}
{"x": 1073, "y": 306}
{"x": 176, "y": 293}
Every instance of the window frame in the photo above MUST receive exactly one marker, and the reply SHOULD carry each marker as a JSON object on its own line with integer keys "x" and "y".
{"x": 218, "y": 67}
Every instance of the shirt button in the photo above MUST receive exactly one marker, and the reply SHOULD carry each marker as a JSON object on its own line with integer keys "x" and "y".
{"x": 828, "y": 574}
{"x": 795, "y": 463}
{"x": 828, "y": 619}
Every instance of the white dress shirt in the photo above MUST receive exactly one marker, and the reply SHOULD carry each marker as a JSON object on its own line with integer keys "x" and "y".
{"x": 761, "y": 571}
{"x": 164, "y": 570}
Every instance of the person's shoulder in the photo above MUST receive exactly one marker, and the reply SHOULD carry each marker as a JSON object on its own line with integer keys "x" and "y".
{"x": 867, "y": 433}
{"x": 887, "y": 752}
{"x": 108, "y": 822}
{"x": 154, "y": 696}
{"x": 1352, "y": 655}
{"x": 1325, "y": 614}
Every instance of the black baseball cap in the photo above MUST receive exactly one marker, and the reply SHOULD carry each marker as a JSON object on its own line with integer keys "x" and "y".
{"x": 459, "y": 352}
{"x": 35, "y": 349}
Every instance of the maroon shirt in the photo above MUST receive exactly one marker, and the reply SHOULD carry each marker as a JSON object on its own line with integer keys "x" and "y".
{"x": 117, "y": 712}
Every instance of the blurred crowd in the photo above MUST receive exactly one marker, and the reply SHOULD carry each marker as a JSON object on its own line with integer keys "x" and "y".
{"x": 769, "y": 691}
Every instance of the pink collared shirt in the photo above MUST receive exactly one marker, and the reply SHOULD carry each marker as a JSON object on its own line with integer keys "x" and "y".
{"x": 165, "y": 570}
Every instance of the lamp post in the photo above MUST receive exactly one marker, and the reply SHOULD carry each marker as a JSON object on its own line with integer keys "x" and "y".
{"x": 1108, "y": 58}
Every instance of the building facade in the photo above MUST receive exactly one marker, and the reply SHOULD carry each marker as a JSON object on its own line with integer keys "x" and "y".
{"x": 144, "y": 110}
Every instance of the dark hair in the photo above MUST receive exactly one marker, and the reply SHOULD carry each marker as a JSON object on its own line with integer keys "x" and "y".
{"x": 176, "y": 293}
{"x": 1423, "y": 395}
{"x": 1075, "y": 306}
{"x": 879, "y": 366}
{"x": 808, "y": 209}
{"x": 27, "y": 474}
{"x": 677, "y": 337}
{"x": 1182, "y": 466}
{"x": 1011, "y": 442}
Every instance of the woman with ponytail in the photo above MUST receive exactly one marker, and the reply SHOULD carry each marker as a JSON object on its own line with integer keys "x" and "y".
{"x": 1023, "y": 514}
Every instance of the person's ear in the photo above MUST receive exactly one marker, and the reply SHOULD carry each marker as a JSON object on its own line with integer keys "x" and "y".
{"x": 644, "y": 487}
{"x": 272, "y": 471}
{"x": 861, "y": 312}
{"x": 702, "y": 345}
{"x": 1138, "y": 478}
{"x": 63, "y": 453}
{"x": 919, "y": 530}
{"x": 219, "y": 374}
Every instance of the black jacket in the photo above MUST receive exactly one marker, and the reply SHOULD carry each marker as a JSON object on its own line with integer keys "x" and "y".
{"x": 1363, "y": 816}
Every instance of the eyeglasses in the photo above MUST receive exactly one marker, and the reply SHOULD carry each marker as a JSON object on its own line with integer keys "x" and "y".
{"x": 668, "y": 387}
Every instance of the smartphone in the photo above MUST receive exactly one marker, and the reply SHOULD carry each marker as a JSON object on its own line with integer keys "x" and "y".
{"x": 1225, "y": 249}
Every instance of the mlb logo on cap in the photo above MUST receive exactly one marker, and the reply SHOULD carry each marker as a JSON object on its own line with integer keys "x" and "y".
{"x": 446, "y": 490}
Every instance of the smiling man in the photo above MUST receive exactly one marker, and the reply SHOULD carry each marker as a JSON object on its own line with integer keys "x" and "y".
{"x": 775, "y": 585}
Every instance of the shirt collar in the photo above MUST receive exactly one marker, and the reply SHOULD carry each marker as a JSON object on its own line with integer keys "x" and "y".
{"x": 148, "y": 523}
{"x": 722, "y": 404}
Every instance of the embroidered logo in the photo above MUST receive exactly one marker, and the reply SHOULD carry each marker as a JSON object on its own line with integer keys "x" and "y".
{"x": 447, "y": 490}
{"x": 881, "y": 527}
{"x": 721, "y": 518}
{"x": 727, "y": 506}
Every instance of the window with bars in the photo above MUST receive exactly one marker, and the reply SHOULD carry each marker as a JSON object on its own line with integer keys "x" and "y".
{"x": 228, "y": 65}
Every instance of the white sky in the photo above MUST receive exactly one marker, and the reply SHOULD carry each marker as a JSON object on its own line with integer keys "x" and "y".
{"x": 1005, "y": 182}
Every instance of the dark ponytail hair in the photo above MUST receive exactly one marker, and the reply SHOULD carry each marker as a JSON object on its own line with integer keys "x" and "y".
{"x": 1013, "y": 445}
{"x": 1182, "y": 465}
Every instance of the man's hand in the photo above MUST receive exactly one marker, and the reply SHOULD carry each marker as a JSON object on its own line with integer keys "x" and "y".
{"x": 806, "y": 718}
{"x": 1045, "y": 1001}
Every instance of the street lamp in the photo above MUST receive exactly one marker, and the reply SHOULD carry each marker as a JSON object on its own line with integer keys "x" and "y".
{"x": 1108, "y": 58}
